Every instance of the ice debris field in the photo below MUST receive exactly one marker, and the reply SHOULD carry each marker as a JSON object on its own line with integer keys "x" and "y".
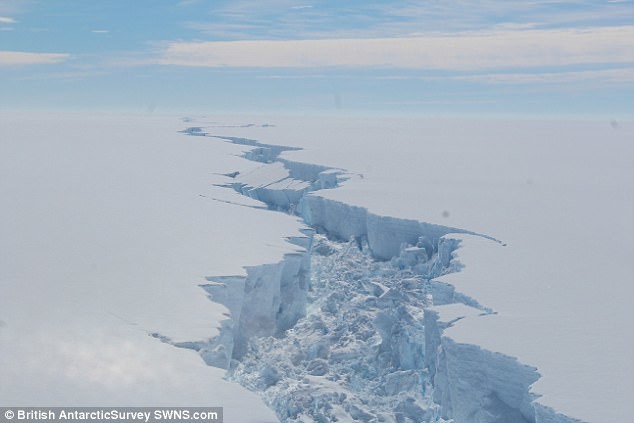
{"x": 319, "y": 269}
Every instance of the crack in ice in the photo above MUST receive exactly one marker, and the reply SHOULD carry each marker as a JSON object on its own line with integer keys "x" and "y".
{"x": 341, "y": 331}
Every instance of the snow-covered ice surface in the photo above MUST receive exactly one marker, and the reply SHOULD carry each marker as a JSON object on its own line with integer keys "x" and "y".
{"x": 550, "y": 340}
{"x": 501, "y": 293}
{"x": 107, "y": 229}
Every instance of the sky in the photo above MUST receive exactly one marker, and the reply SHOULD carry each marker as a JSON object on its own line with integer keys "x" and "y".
{"x": 434, "y": 57}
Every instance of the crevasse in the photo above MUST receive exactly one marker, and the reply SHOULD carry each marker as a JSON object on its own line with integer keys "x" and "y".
{"x": 348, "y": 327}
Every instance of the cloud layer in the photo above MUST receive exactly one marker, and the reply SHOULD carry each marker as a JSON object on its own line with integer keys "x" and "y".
{"x": 503, "y": 49}
{"x": 290, "y": 19}
{"x": 15, "y": 58}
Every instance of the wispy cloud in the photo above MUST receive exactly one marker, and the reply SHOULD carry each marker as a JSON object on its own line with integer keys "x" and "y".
{"x": 461, "y": 14}
{"x": 615, "y": 76}
{"x": 16, "y": 58}
{"x": 462, "y": 51}
{"x": 289, "y": 19}
{"x": 14, "y": 7}
{"x": 623, "y": 75}
{"x": 618, "y": 76}
{"x": 7, "y": 20}
{"x": 61, "y": 76}
{"x": 292, "y": 76}
{"x": 100, "y": 31}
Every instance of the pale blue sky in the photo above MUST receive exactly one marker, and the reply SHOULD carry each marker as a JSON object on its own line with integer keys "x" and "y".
{"x": 491, "y": 57}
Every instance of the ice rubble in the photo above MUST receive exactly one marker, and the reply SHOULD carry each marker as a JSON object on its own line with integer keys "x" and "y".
{"x": 350, "y": 327}
{"x": 358, "y": 351}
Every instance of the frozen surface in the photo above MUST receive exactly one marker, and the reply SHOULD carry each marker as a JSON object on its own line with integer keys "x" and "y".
{"x": 113, "y": 223}
{"x": 107, "y": 228}
{"x": 559, "y": 197}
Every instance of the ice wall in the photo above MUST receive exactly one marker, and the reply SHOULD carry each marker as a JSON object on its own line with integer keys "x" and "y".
{"x": 385, "y": 234}
{"x": 472, "y": 384}
{"x": 268, "y": 301}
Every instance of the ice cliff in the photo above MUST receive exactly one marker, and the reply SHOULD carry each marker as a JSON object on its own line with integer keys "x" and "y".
{"x": 350, "y": 326}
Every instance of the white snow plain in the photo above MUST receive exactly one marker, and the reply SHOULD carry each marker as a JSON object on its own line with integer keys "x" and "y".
{"x": 107, "y": 229}
{"x": 111, "y": 224}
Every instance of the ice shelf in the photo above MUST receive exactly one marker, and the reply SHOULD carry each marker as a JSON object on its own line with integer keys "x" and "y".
{"x": 352, "y": 326}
